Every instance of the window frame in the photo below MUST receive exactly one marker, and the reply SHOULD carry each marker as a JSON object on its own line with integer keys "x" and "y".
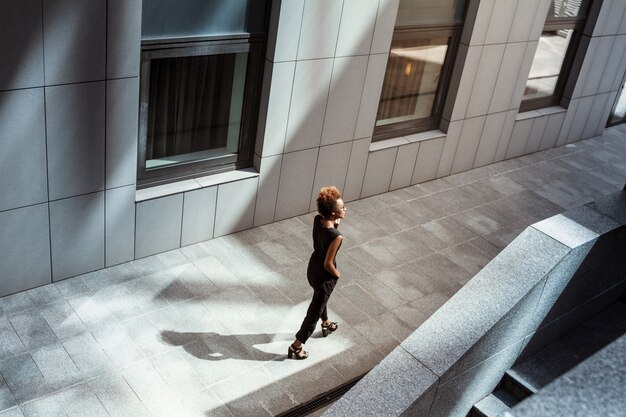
{"x": 453, "y": 31}
{"x": 254, "y": 45}
{"x": 552, "y": 23}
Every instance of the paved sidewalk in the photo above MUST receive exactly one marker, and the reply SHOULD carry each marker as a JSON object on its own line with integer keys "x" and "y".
{"x": 203, "y": 331}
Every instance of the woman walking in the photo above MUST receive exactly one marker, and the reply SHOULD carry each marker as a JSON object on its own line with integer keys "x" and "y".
{"x": 322, "y": 272}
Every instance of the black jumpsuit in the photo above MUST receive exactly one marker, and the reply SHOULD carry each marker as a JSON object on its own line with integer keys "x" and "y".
{"x": 322, "y": 281}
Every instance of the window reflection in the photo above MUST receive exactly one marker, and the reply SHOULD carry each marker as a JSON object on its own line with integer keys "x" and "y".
{"x": 565, "y": 8}
{"x": 412, "y": 79}
{"x": 547, "y": 63}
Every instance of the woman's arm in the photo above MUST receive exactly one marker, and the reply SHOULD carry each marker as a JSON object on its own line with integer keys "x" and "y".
{"x": 329, "y": 262}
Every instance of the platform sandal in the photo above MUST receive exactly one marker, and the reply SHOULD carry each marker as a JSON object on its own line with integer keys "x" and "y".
{"x": 296, "y": 353}
{"x": 326, "y": 330}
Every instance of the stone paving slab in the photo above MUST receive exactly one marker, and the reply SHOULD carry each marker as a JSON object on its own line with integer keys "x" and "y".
{"x": 203, "y": 330}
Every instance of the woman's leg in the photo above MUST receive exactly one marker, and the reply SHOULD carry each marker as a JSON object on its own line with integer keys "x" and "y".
{"x": 321, "y": 293}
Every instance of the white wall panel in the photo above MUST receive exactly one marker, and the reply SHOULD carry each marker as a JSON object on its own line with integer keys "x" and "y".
{"x": 374, "y": 77}
{"x": 519, "y": 138}
{"x": 277, "y": 115}
{"x": 268, "y": 189}
{"x": 522, "y": 76}
{"x": 308, "y": 104}
{"x": 479, "y": 13}
{"x": 378, "y": 172}
{"x": 500, "y": 21}
{"x": 320, "y": 27}
{"x": 235, "y": 206}
{"x": 580, "y": 119}
{"x": 505, "y": 136}
{"x": 494, "y": 123}
{"x": 332, "y": 167}
{"x": 485, "y": 81}
{"x": 598, "y": 67}
{"x": 296, "y": 181}
{"x": 356, "y": 169}
{"x": 198, "y": 215}
{"x": 567, "y": 123}
{"x": 536, "y": 134}
{"x": 284, "y": 31}
{"x": 609, "y": 80}
{"x": 449, "y": 148}
{"x": 428, "y": 158}
{"x": 342, "y": 109}
{"x": 385, "y": 22}
{"x": 596, "y": 113}
{"x": 122, "y": 126}
{"x": 405, "y": 163}
{"x": 507, "y": 77}
{"x": 468, "y": 144}
{"x": 158, "y": 225}
{"x": 123, "y": 38}
{"x": 524, "y": 20}
{"x": 551, "y": 134}
{"x": 357, "y": 27}
{"x": 119, "y": 217}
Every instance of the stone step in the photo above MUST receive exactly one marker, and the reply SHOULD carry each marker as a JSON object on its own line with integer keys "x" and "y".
{"x": 490, "y": 406}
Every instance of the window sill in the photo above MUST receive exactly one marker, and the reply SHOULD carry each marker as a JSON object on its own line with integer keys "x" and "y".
{"x": 404, "y": 140}
{"x": 546, "y": 111}
{"x": 194, "y": 184}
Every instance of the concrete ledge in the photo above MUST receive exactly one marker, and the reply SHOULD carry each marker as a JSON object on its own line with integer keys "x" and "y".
{"x": 593, "y": 388}
{"x": 547, "y": 277}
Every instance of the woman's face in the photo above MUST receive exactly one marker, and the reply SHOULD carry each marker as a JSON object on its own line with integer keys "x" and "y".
{"x": 340, "y": 209}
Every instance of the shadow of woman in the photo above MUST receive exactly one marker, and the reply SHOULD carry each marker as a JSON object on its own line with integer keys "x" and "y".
{"x": 214, "y": 346}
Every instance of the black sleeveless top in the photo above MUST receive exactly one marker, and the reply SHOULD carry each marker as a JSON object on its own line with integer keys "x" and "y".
{"x": 322, "y": 238}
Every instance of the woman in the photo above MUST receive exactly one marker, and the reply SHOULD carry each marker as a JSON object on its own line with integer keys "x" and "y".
{"x": 322, "y": 272}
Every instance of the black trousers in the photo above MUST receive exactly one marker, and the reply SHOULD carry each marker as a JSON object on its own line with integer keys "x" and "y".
{"x": 317, "y": 308}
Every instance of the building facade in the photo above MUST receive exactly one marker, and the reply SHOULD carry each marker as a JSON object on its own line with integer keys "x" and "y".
{"x": 319, "y": 102}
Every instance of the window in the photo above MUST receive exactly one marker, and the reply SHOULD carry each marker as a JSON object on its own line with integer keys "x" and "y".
{"x": 199, "y": 92}
{"x": 424, "y": 44}
{"x": 555, "y": 52}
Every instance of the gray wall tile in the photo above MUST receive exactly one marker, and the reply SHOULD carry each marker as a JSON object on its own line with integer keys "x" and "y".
{"x": 332, "y": 167}
{"x": 500, "y": 21}
{"x": 607, "y": 110}
{"x": 428, "y": 158}
{"x": 21, "y": 44}
{"x": 524, "y": 20}
{"x": 120, "y": 225}
{"x": 296, "y": 181}
{"x": 158, "y": 225}
{"x": 356, "y": 169}
{"x": 235, "y": 206}
{"x": 580, "y": 119}
{"x": 468, "y": 67}
{"x": 342, "y": 109}
{"x": 77, "y": 235}
{"x": 505, "y": 136}
{"x": 374, "y": 78}
{"x": 597, "y": 69}
{"x": 122, "y": 125}
{"x": 198, "y": 215}
{"x": 123, "y": 38}
{"x": 536, "y": 134}
{"x": 357, "y": 27}
{"x": 551, "y": 134}
{"x": 587, "y": 64}
{"x": 540, "y": 19}
{"x": 75, "y": 129}
{"x": 24, "y": 231}
{"x": 284, "y": 32}
{"x": 320, "y": 26}
{"x": 378, "y": 172}
{"x": 616, "y": 17}
{"x": 405, "y": 163}
{"x": 484, "y": 82}
{"x": 274, "y": 127}
{"x": 519, "y": 138}
{"x": 385, "y": 22}
{"x": 522, "y": 77}
{"x": 507, "y": 77}
{"x": 596, "y": 115}
{"x": 268, "y": 189}
{"x": 479, "y": 13}
{"x": 613, "y": 71}
{"x": 468, "y": 144}
{"x": 308, "y": 104}
{"x": 567, "y": 123}
{"x": 449, "y": 148}
{"x": 23, "y": 170}
{"x": 74, "y": 40}
{"x": 490, "y": 138}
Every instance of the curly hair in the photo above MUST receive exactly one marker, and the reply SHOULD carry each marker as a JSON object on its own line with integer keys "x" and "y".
{"x": 326, "y": 200}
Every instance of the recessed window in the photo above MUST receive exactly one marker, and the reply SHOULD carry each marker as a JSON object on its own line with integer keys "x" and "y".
{"x": 418, "y": 68}
{"x": 555, "y": 52}
{"x": 201, "y": 67}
